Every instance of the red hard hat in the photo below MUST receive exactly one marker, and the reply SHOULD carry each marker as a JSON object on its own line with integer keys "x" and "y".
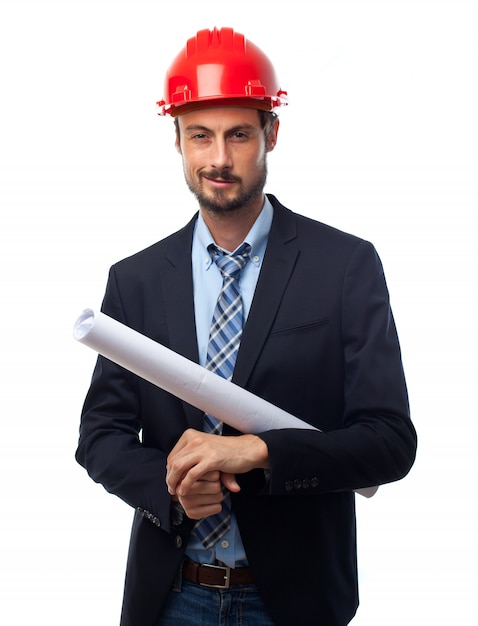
{"x": 220, "y": 68}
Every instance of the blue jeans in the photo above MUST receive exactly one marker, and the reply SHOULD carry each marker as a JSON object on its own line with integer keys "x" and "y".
{"x": 193, "y": 605}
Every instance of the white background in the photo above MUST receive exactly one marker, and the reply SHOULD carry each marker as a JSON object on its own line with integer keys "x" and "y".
{"x": 380, "y": 139}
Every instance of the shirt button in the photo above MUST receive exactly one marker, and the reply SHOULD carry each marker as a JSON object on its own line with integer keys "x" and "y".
{"x": 224, "y": 544}
{"x": 255, "y": 258}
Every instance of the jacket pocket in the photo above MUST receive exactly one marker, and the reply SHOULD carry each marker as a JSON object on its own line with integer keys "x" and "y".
{"x": 300, "y": 327}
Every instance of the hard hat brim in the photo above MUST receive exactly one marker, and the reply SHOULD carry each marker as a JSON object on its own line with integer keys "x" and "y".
{"x": 247, "y": 103}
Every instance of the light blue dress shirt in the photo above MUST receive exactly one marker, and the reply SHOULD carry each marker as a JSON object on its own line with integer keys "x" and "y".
{"x": 207, "y": 283}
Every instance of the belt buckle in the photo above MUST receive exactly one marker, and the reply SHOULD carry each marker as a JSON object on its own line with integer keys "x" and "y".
{"x": 227, "y": 576}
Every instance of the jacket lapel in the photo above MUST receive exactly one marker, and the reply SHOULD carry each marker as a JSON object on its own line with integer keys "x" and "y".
{"x": 279, "y": 261}
{"x": 177, "y": 281}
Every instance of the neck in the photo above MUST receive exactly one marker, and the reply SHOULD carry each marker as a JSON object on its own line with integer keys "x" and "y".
{"x": 230, "y": 228}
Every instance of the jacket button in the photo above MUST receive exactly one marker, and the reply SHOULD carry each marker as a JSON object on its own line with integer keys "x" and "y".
{"x": 297, "y": 483}
{"x": 179, "y": 541}
{"x": 289, "y": 486}
{"x": 314, "y": 482}
{"x": 306, "y": 483}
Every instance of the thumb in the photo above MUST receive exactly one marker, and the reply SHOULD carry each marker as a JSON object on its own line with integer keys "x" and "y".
{"x": 229, "y": 481}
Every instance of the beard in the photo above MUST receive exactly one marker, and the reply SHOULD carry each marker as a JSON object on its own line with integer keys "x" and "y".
{"x": 221, "y": 201}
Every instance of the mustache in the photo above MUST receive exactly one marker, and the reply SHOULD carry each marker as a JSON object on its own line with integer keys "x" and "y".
{"x": 224, "y": 175}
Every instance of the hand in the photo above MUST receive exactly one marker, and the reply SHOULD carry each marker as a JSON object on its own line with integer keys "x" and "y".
{"x": 205, "y": 496}
{"x": 197, "y": 454}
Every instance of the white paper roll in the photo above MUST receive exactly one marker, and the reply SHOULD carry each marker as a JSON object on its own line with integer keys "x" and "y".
{"x": 183, "y": 378}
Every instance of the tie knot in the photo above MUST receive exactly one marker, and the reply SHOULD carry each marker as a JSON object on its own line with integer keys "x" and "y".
{"x": 231, "y": 264}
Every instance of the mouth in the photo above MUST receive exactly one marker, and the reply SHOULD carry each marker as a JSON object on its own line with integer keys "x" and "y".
{"x": 220, "y": 181}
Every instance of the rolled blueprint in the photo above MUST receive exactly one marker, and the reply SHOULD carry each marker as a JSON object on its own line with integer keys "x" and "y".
{"x": 183, "y": 378}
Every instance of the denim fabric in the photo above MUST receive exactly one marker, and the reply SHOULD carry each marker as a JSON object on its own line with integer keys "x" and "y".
{"x": 193, "y": 605}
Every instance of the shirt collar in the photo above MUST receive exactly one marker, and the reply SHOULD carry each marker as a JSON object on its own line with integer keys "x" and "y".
{"x": 256, "y": 237}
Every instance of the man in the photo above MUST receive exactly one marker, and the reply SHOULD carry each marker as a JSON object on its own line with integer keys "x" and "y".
{"x": 261, "y": 526}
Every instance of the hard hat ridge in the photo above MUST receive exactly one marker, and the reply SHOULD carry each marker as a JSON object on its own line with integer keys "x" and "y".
{"x": 225, "y": 38}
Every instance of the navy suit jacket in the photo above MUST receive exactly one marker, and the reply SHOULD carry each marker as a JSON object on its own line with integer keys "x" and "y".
{"x": 319, "y": 342}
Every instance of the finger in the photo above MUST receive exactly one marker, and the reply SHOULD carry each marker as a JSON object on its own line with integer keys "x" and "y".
{"x": 212, "y": 476}
{"x": 196, "y": 476}
{"x": 182, "y": 474}
{"x": 196, "y": 511}
{"x": 209, "y": 483}
{"x": 203, "y": 488}
{"x": 177, "y": 467}
{"x": 209, "y": 502}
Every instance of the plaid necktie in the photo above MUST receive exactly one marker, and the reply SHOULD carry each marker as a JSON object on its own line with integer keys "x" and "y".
{"x": 224, "y": 340}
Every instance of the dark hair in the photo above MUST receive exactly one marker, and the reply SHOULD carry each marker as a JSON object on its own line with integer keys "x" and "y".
{"x": 268, "y": 119}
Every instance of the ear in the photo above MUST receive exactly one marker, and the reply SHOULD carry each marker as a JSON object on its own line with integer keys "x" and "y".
{"x": 272, "y": 137}
{"x": 177, "y": 133}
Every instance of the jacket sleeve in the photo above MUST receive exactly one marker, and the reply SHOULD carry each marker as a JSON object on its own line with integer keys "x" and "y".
{"x": 375, "y": 442}
{"x": 110, "y": 443}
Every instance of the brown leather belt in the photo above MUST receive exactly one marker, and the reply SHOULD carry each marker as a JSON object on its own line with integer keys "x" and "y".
{"x": 216, "y": 576}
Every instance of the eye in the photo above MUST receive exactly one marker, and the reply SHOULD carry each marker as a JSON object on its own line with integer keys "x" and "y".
{"x": 239, "y": 135}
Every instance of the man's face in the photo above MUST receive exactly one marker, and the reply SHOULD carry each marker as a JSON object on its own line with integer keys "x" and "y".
{"x": 224, "y": 156}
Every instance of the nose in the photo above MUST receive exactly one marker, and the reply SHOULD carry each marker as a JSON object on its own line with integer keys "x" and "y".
{"x": 220, "y": 155}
